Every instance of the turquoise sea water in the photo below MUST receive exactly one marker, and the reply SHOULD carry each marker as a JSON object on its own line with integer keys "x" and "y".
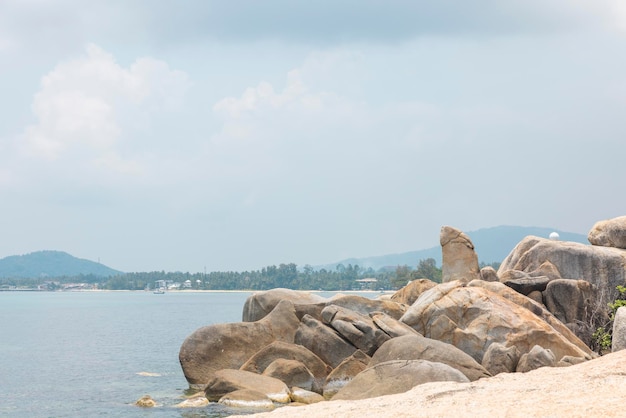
{"x": 70, "y": 354}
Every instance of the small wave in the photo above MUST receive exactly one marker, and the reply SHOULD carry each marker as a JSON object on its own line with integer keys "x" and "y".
{"x": 149, "y": 374}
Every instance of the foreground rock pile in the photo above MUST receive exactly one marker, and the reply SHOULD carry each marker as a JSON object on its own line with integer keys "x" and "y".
{"x": 296, "y": 347}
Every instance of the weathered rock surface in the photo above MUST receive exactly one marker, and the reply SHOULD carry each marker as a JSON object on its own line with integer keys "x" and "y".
{"x": 324, "y": 341}
{"x": 365, "y": 306}
{"x": 397, "y": 376}
{"x": 229, "y": 346}
{"x": 409, "y": 293}
{"x": 227, "y": 380}
{"x": 489, "y": 274}
{"x": 391, "y": 326}
{"x": 537, "y": 357}
{"x": 534, "y": 307}
{"x": 579, "y": 391}
{"x": 500, "y": 359}
{"x": 247, "y": 399}
{"x": 259, "y": 362}
{"x": 459, "y": 260}
{"x": 259, "y": 304}
{"x": 568, "y": 300}
{"x": 603, "y": 267}
{"x": 472, "y": 318}
{"x": 146, "y": 401}
{"x": 609, "y": 233}
{"x": 416, "y": 347}
{"x": 292, "y": 373}
{"x": 193, "y": 402}
{"x": 345, "y": 372}
{"x": 619, "y": 330}
{"x": 523, "y": 282}
{"x": 536, "y": 296}
{"x": 359, "y": 329}
{"x": 305, "y": 396}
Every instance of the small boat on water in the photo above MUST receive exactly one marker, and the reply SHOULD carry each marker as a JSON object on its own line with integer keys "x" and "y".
{"x": 159, "y": 291}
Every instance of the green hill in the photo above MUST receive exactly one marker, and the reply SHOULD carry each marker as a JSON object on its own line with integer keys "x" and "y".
{"x": 51, "y": 264}
{"x": 491, "y": 245}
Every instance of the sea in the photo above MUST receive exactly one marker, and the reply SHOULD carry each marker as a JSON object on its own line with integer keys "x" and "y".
{"x": 86, "y": 354}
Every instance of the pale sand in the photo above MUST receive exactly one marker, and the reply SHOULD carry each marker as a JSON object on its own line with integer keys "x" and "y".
{"x": 596, "y": 388}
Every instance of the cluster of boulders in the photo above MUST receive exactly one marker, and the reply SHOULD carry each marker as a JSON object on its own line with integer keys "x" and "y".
{"x": 299, "y": 347}
{"x": 575, "y": 282}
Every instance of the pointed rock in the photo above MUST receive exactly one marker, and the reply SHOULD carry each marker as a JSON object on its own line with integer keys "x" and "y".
{"x": 460, "y": 261}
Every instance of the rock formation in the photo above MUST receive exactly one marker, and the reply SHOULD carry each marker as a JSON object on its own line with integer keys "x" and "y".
{"x": 229, "y": 346}
{"x": 396, "y": 376}
{"x": 460, "y": 261}
{"x": 296, "y": 346}
{"x": 609, "y": 233}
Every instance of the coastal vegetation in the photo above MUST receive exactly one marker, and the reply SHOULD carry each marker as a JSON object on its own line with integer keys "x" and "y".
{"x": 341, "y": 278}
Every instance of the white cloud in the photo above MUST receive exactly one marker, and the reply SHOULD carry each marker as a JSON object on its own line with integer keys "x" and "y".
{"x": 81, "y": 102}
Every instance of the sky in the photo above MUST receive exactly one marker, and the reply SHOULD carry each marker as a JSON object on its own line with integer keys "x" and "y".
{"x": 233, "y": 135}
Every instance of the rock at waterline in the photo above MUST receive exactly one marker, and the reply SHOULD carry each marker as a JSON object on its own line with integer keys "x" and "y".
{"x": 146, "y": 401}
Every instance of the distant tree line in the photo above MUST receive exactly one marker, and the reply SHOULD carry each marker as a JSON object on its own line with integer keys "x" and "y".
{"x": 343, "y": 277}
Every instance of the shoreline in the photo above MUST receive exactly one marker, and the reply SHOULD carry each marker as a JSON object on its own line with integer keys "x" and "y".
{"x": 386, "y": 292}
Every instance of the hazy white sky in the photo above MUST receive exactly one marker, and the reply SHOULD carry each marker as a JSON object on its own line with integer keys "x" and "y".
{"x": 169, "y": 135}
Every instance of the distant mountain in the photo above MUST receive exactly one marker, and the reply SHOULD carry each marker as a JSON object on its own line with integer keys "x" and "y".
{"x": 51, "y": 264}
{"x": 491, "y": 244}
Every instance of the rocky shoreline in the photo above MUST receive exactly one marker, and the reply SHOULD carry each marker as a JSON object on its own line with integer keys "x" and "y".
{"x": 507, "y": 343}
{"x": 590, "y": 389}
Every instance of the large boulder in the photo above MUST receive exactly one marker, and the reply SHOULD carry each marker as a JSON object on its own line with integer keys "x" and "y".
{"x": 603, "y": 267}
{"x": 569, "y": 300}
{"x": 459, "y": 260}
{"x": 229, "y": 346}
{"x": 536, "y": 308}
{"x": 262, "y": 359}
{"x": 359, "y": 329}
{"x": 259, "y": 304}
{"x": 409, "y": 293}
{"x": 416, "y": 347}
{"x": 323, "y": 340}
{"x": 472, "y": 318}
{"x": 609, "y": 233}
{"x": 397, "y": 376}
{"x": 226, "y": 381}
{"x": 291, "y": 373}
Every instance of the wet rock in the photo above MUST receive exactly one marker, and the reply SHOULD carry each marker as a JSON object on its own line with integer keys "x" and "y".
{"x": 305, "y": 396}
{"x": 146, "y": 401}
{"x": 247, "y": 399}
{"x": 227, "y": 381}
{"x": 229, "y": 346}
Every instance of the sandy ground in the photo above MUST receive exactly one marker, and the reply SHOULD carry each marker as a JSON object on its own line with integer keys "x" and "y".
{"x": 596, "y": 388}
